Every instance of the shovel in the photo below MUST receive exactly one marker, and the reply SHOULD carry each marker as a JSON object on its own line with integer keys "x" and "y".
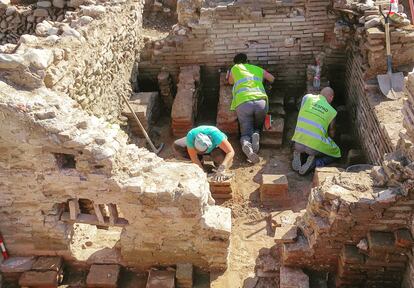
{"x": 391, "y": 83}
{"x": 155, "y": 150}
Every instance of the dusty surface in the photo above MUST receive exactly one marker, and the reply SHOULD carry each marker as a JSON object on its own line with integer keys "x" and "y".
{"x": 250, "y": 232}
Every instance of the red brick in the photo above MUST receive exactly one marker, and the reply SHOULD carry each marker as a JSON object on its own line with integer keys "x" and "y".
{"x": 103, "y": 276}
{"x": 39, "y": 279}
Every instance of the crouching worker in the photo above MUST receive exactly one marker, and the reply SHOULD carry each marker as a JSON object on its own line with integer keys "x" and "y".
{"x": 250, "y": 102}
{"x": 206, "y": 140}
{"x": 315, "y": 126}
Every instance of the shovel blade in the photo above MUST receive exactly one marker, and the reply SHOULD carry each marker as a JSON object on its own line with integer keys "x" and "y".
{"x": 389, "y": 84}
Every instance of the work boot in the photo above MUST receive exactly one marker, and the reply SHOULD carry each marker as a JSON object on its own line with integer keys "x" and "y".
{"x": 296, "y": 163}
{"x": 256, "y": 142}
{"x": 308, "y": 166}
{"x": 251, "y": 156}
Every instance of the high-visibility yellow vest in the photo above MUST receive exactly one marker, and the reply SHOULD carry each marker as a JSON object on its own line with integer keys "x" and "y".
{"x": 312, "y": 126}
{"x": 248, "y": 84}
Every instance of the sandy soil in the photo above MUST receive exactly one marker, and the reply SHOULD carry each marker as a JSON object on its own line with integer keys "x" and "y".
{"x": 250, "y": 232}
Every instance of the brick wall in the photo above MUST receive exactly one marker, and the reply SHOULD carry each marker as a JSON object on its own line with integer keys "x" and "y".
{"x": 281, "y": 36}
{"x": 377, "y": 120}
{"x": 406, "y": 145}
{"x": 333, "y": 218}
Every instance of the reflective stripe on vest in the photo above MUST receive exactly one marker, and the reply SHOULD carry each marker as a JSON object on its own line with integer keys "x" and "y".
{"x": 248, "y": 84}
{"x": 316, "y": 136}
{"x": 254, "y": 78}
{"x": 313, "y": 123}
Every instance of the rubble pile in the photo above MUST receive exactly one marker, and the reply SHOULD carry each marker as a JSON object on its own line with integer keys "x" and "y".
{"x": 349, "y": 209}
{"x": 147, "y": 108}
{"x": 184, "y": 109}
{"x": 226, "y": 119}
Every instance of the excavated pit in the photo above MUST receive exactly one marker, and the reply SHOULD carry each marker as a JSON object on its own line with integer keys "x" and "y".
{"x": 97, "y": 199}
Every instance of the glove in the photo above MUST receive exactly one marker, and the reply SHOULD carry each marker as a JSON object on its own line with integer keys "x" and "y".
{"x": 219, "y": 174}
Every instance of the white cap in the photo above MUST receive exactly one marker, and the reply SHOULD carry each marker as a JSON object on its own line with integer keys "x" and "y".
{"x": 202, "y": 142}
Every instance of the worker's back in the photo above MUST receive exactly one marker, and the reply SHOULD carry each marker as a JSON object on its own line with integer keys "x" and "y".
{"x": 248, "y": 84}
{"x": 312, "y": 126}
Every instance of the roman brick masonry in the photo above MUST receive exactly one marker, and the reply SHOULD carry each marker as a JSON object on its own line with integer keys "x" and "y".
{"x": 68, "y": 163}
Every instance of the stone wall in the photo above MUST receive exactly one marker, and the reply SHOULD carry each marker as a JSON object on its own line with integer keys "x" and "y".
{"x": 95, "y": 49}
{"x": 53, "y": 154}
{"x": 281, "y": 36}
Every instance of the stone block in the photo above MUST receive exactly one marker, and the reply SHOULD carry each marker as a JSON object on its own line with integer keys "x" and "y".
{"x": 48, "y": 263}
{"x": 184, "y": 275}
{"x": 286, "y": 234}
{"x": 293, "y": 278}
{"x": 161, "y": 279}
{"x": 273, "y": 185}
{"x": 17, "y": 264}
{"x": 103, "y": 276}
{"x": 321, "y": 173}
{"x": 39, "y": 279}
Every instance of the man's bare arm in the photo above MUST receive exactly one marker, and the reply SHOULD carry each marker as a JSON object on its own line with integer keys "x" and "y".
{"x": 194, "y": 157}
{"x": 331, "y": 129}
{"x": 228, "y": 149}
{"x": 269, "y": 77}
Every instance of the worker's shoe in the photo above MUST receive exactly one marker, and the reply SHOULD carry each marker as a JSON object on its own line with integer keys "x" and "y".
{"x": 251, "y": 156}
{"x": 296, "y": 163}
{"x": 256, "y": 142}
{"x": 308, "y": 166}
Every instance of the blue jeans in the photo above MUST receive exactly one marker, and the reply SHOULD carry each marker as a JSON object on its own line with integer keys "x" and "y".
{"x": 321, "y": 159}
{"x": 251, "y": 116}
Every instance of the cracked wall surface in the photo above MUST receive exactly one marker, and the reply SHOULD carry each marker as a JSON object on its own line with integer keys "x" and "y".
{"x": 171, "y": 215}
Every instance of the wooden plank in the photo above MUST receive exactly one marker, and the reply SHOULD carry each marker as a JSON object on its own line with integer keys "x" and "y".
{"x": 93, "y": 220}
{"x": 98, "y": 211}
{"x": 113, "y": 213}
{"x": 74, "y": 208}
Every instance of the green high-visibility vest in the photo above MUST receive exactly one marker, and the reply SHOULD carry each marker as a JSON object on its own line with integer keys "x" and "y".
{"x": 312, "y": 126}
{"x": 248, "y": 84}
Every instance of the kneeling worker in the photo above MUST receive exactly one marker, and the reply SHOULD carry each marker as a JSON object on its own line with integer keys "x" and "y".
{"x": 316, "y": 120}
{"x": 206, "y": 140}
{"x": 250, "y": 102}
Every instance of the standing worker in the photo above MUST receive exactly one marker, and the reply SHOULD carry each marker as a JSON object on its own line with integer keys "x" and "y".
{"x": 250, "y": 102}
{"x": 314, "y": 127}
{"x": 206, "y": 140}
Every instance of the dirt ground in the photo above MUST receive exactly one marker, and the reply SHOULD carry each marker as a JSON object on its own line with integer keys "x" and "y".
{"x": 250, "y": 232}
